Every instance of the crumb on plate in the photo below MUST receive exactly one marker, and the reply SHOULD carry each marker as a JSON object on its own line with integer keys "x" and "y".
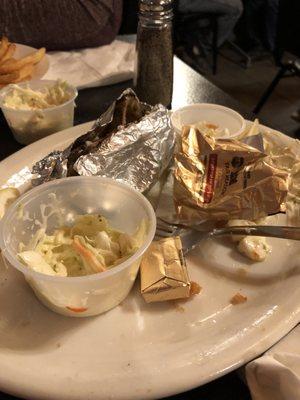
{"x": 238, "y": 298}
{"x": 195, "y": 288}
{"x": 179, "y": 308}
{"x": 242, "y": 272}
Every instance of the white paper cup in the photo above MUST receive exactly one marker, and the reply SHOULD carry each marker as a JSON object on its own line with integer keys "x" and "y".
{"x": 222, "y": 117}
{"x": 28, "y": 126}
{"x": 124, "y": 207}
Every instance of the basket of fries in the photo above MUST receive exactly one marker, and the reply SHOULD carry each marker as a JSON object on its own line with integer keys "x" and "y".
{"x": 14, "y": 69}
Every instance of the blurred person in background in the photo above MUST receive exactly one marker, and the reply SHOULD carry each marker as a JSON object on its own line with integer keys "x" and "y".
{"x": 60, "y": 24}
{"x": 229, "y": 10}
{"x": 258, "y": 27}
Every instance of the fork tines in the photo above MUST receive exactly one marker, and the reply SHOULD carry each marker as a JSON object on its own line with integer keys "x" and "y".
{"x": 164, "y": 229}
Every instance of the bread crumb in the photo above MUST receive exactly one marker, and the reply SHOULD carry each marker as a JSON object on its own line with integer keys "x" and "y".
{"x": 179, "y": 308}
{"x": 211, "y": 126}
{"x": 195, "y": 288}
{"x": 242, "y": 272}
{"x": 238, "y": 298}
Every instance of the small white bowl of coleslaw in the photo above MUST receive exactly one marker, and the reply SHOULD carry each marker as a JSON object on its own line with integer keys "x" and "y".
{"x": 38, "y": 108}
{"x": 78, "y": 242}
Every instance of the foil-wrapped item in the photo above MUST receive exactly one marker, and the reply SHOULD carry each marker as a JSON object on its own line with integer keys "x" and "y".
{"x": 54, "y": 166}
{"x": 21, "y": 179}
{"x": 220, "y": 179}
{"x": 164, "y": 273}
{"x": 288, "y": 159}
{"x": 136, "y": 154}
{"x": 131, "y": 142}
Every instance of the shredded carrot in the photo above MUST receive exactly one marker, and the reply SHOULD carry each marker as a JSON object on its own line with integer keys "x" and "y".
{"x": 76, "y": 309}
{"x": 88, "y": 256}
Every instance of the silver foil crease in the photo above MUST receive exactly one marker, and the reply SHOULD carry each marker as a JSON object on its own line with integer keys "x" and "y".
{"x": 53, "y": 166}
{"x": 136, "y": 154}
{"x": 130, "y": 142}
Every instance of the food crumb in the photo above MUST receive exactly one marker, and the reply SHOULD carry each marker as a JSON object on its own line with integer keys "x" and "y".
{"x": 242, "y": 271}
{"x": 195, "y": 288}
{"x": 179, "y": 308}
{"x": 212, "y": 126}
{"x": 238, "y": 298}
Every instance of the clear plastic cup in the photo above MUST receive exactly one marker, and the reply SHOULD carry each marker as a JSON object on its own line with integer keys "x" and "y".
{"x": 124, "y": 208}
{"x": 28, "y": 126}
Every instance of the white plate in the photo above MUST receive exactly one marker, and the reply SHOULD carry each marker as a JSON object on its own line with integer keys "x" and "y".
{"x": 140, "y": 351}
{"x": 41, "y": 68}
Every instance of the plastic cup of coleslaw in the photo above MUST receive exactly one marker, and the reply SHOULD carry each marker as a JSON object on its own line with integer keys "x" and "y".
{"x": 124, "y": 208}
{"x": 30, "y": 125}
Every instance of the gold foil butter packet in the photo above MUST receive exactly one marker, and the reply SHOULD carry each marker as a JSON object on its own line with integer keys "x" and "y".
{"x": 163, "y": 271}
{"x": 221, "y": 179}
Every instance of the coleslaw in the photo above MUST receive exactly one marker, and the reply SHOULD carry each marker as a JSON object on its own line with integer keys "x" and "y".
{"x": 89, "y": 246}
{"x": 25, "y": 98}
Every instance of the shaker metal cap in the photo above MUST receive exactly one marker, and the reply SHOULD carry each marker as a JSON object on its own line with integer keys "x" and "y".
{"x": 157, "y": 9}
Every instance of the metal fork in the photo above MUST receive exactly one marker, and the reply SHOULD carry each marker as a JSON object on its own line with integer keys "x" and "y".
{"x": 191, "y": 237}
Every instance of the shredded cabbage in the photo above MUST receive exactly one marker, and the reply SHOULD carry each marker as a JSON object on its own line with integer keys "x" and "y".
{"x": 88, "y": 247}
{"x": 25, "y": 98}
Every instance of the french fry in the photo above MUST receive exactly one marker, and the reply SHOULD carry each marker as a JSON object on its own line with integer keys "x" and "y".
{"x": 12, "y": 59}
{"x": 12, "y": 70}
{"x": 24, "y": 72}
{"x": 9, "y": 53}
{"x": 14, "y": 65}
{"x": 3, "y": 46}
{"x": 9, "y": 78}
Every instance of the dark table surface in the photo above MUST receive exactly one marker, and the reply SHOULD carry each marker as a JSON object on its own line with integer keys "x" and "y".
{"x": 189, "y": 87}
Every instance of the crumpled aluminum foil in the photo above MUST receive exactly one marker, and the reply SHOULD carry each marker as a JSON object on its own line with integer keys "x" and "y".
{"x": 54, "y": 166}
{"x": 131, "y": 142}
{"x": 136, "y": 154}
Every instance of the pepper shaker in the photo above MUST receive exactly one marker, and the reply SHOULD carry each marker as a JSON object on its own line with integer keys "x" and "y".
{"x": 154, "y": 52}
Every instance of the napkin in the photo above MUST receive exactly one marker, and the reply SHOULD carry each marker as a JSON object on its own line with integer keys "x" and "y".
{"x": 97, "y": 66}
{"x": 276, "y": 375}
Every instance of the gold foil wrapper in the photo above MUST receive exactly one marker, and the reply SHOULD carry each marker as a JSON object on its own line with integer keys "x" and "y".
{"x": 221, "y": 179}
{"x": 163, "y": 271}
